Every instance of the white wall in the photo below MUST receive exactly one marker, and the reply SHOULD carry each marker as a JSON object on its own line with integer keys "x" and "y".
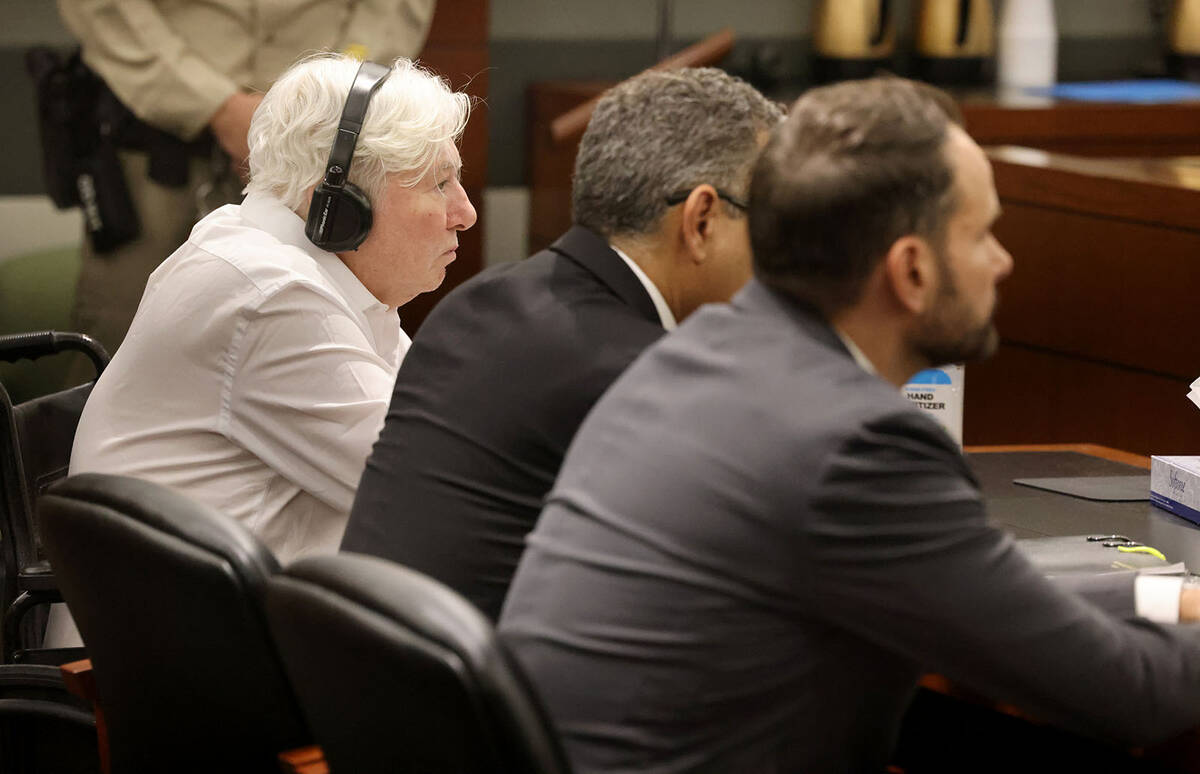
{"x": 31, "y": 223}
{"x": 506, "y": 224}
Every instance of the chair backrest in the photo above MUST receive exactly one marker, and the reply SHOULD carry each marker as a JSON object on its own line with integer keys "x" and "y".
{"x": 397, "y": 672}
{"x": 35, "y": 451}
{"x": 167, "y": 594}
{"x": 35, "y": 446}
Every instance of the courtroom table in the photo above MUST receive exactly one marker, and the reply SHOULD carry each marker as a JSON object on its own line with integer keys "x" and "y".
{"x": 948, "y": 724}
{"x": 1032, "y": 513}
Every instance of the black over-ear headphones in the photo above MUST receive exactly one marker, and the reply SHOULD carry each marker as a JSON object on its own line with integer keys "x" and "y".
{"x": 339, "y": 217}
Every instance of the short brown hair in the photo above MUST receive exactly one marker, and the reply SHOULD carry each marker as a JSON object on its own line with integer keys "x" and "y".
{"x": 855, "y": 166}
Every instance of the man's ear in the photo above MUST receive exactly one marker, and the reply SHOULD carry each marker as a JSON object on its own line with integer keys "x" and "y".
{"x": 910, "y": 268}
{"x": 697, "y": 222}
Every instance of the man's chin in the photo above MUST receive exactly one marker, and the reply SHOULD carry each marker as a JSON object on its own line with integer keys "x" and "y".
{"x": 435, "y": 280}
{"x": 991, "y": 345}
{"x": 980, "y": 345}
{"x": 988, "y": 343}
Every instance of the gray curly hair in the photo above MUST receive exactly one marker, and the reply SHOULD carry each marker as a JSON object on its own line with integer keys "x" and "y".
{"x": 662, "y": 133}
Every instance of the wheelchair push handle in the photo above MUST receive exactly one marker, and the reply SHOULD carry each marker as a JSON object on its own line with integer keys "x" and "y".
{"x": 16, "y": 346}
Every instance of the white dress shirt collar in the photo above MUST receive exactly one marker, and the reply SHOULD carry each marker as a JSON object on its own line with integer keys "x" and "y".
{"x": 272, "y": 216}
{"x": 660, "y": 304}
{"x": 858, "y": 355}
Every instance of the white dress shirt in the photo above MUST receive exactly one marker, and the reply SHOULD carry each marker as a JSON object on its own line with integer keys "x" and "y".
{"x": 665, "y": 315}
{"x": 255, "y": 379}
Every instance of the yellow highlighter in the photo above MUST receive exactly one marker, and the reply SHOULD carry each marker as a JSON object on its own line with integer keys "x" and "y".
{"x": 1142, "y": 550}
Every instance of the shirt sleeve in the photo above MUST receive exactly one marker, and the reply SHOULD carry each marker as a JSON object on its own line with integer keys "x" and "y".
{"x": 308, "y": 394}
{"x": 147, "y": 64}
{"x": 1158, "y": 597}
{"x": 904, "y": 557}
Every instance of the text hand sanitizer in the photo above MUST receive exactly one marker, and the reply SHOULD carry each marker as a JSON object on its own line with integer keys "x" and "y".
{"x": 939, "y": 391}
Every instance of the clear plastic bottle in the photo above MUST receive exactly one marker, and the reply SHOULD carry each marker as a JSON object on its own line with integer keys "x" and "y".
{"x": 1027, "y": 45}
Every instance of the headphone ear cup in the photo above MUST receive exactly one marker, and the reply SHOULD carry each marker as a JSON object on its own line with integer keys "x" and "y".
{"x": 359, "y": 215}
{"x": 338, "y": 219}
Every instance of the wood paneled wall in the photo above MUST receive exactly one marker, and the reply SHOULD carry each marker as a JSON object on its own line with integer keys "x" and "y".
{"x": 457, "y": 49}
{"x": 1098, "y": 318}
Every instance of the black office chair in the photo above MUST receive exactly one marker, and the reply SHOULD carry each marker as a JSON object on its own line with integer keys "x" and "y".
{"x": 35, "y": 449}
{"x": 396, "y": 672}
{"x": 167, "y": 594}
{"x": 42, "y": 726}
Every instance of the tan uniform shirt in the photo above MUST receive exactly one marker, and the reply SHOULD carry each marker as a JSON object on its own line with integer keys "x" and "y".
{"x": 173, "y": 63}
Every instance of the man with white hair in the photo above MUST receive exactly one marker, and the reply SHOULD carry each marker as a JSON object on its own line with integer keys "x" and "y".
{"x": 257, "y": 370}
{"x": 185, "y": 78}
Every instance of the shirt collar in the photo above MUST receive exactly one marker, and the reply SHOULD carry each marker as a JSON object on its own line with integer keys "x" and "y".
{"x": 660, "y": 304}
{"x": 272, "y": 216}
{"x": 856, "y": 353}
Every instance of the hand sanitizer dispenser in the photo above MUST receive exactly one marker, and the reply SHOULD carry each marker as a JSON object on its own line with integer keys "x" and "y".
{"x": 939, "y": 392}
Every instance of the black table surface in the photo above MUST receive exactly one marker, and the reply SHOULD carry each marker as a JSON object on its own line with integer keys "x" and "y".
{"x": 1032, "y": 513}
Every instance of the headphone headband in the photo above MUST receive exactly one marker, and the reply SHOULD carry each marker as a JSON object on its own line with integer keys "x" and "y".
{"x": 367, "y": 80}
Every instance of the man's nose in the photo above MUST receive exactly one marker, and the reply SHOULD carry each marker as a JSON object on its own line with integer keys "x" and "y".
{"x": 1005, "y": 261}
{"x": 461, "y": 213}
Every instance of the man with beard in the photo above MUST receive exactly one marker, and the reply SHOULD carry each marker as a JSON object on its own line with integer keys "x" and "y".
{"x": 756, "y": 545}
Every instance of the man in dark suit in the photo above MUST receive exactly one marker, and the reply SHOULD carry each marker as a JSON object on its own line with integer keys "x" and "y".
{"x": 505, "y": 368}
{"x": 756, "y": 544}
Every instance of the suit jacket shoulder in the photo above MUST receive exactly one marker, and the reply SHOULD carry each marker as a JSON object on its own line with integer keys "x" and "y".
{"x": 487, "y": 401}
{"x": 558, "y": 297}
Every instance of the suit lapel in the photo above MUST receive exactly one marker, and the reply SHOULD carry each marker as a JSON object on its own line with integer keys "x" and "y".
{"x": 586, "y": 248}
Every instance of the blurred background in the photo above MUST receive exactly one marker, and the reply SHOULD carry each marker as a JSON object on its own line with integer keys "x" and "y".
{"x": 542, "y": 40}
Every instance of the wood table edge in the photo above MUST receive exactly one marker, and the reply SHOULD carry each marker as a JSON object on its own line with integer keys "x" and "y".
{"x": 1092, "y": 449}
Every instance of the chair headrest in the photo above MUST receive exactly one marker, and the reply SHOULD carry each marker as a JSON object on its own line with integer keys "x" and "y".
{"x": 409, "y": 597}
{"x": 170, "y": 512}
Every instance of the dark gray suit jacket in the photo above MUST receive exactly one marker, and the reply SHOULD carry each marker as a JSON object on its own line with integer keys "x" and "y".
{"x": 497, "y": 381}
{"x": 755, "y": 547}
